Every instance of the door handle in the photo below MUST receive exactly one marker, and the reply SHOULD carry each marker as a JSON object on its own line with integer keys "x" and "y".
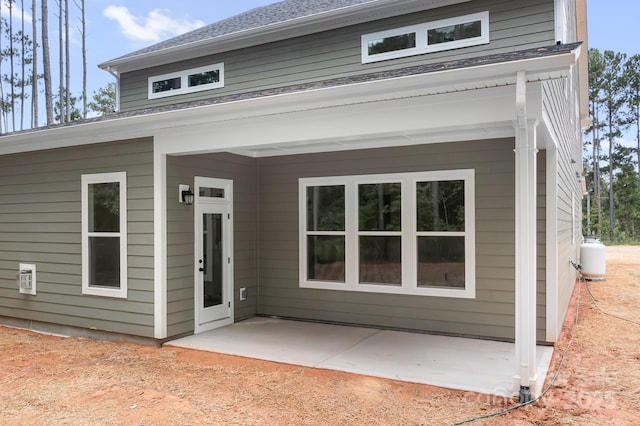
{"x": 201, "y": 269}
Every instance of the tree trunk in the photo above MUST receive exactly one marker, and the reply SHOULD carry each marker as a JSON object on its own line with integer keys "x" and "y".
{"x": 67, "y": 90}
{"x": 23, "y": 71}
{"x": 596, "y": 167}
{"x": 2, "y": 111}
{"x": 12, "y": 80}
{"x": 34, "y": 66}
{"x": 46, "y": 64}
{"x": 611, "y": 208}
{"x": 84, "y": 61}
{"x": 638, "y": 137}
{"x": 61, "y": 103}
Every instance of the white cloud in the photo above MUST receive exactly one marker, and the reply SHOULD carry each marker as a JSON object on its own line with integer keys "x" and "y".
{"x": 156, "y": 26}
{"x": 17, "y": 14}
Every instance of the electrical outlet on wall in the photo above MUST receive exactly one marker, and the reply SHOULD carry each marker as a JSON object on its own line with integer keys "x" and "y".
{"x": 243, "y": 293}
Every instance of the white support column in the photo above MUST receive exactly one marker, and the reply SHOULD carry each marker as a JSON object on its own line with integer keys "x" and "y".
{"x": 159, "y": 242}
{"x": 525, "y": 158}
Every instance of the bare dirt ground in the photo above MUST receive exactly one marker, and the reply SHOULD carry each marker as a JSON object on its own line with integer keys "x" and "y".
{"x": 46, "y": 380}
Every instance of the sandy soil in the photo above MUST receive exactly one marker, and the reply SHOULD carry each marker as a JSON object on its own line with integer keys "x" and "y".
{"x": 54, "y": 380}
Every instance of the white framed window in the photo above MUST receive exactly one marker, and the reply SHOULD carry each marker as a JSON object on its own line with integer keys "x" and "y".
{"x": 445, "y": 34}
{"x": 187, "y": 81}
{"x": 104, "y": 234}
{"x": 403, "y": 233}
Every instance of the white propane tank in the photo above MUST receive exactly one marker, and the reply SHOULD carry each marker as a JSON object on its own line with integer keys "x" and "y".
{"x": 593, "y": 258}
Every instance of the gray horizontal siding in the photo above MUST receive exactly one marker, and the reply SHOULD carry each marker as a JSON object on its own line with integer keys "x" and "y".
{"x": 514, "y": 25}
{"x": 557, "y": 112}
{"x": 180, "y": 227}
{"x": 40, "y": 219}
{"x": 490, "y": 314}
{"x": 541, "y": 252}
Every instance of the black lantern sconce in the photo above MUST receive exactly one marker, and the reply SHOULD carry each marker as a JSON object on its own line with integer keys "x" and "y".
{"x": 185, "y": 195}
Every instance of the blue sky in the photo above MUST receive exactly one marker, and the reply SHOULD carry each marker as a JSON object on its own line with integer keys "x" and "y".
{"x": 117, "y": 27}
{"x": 121, "y": 26}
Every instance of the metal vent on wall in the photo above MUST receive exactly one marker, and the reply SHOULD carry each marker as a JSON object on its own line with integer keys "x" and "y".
{"x": 26, "y": 278}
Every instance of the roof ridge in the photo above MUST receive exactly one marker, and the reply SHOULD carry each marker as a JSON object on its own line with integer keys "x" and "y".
{"x": 258, "y": 17}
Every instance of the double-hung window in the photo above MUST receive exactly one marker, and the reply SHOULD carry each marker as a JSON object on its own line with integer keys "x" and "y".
{"x": 405, "y": 233}
{"x": 104, "y": 234}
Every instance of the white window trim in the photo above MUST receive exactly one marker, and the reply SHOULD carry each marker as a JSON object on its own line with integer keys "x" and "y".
{"x": 184, "y": 78}
{"x": 409, "y": 233}
{"x": 421, "y": 31}
{"x": 121, "y": 178}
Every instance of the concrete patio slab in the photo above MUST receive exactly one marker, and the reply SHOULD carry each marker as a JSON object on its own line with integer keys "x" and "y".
{"x": 290, "y": 342}
{"x": 459, "y": 363}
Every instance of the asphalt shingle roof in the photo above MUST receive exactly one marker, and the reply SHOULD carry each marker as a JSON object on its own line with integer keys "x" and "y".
{"x": 283, "y": 11}
{"x": 540, "y": 52}
{"x": 498, "y": 58}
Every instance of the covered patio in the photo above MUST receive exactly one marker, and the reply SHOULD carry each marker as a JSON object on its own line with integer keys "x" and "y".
{"x": 453, "y": 362}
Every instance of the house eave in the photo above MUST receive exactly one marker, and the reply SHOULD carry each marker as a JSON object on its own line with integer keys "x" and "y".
{"x": 364, "y": 12}
{"x": 420, "y": 85}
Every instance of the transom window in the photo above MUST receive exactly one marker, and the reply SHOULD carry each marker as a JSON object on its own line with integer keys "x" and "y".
{"x": 406, "y": 233}
{"x": 187, "y": 81}
{"x": 104, "y": 234}
{"x": 453, "y": 33}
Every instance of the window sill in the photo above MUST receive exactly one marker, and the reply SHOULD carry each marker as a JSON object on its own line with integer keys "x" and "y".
{"x": 105, "y": 292}
{"x": 459, "y": 293}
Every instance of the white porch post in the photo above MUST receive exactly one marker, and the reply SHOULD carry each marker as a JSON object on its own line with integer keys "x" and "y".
{"x": 525, "y": 169}
{"x": 159, "y": 242}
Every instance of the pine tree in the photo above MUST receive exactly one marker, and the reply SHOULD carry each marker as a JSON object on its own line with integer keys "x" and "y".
{"x": 34, "y": 66}
{"x": 46, "y": 63}
{"x": 632, "y": 79}
{"x": 613, "y": 101}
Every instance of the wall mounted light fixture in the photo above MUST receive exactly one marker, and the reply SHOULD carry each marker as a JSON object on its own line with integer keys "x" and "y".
{"x": 185, "y": 195}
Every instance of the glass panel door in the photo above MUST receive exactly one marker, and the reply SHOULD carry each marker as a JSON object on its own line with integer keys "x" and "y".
{"x": 213, "y": 266}
{"x": 212, "y": 259}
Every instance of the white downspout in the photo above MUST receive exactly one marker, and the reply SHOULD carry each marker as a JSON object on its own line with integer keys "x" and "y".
{"x": 117, "y": 77}
{"x": 525, "y": 157}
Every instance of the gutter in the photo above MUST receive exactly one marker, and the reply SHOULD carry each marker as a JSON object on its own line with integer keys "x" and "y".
{"x": 144, "y": 123}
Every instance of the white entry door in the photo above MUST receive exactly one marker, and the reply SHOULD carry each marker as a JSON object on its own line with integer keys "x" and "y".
{"x": 213, "y": 266}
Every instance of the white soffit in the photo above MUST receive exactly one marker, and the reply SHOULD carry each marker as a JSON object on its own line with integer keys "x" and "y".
{"x": 181, "y": 121}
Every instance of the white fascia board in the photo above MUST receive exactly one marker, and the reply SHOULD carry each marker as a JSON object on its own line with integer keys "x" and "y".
{"x": 356, "y": 126}
{"x": 150, "y": 125}
{"x": 337, "y": 18}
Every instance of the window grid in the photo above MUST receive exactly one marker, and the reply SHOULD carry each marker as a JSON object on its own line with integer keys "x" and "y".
{"x": 190, "y": 81}
{"x": 89, "y": 234}
{"x": 408, "y": 233}
{"x": 422, "y": 44}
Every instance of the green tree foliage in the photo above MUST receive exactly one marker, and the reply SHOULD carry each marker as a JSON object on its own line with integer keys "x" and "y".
{"x": 16, "y": 81}
{"x": 74, "y": 112}
{"x": 614, "y": 82}
{"x": 632, "y": 79}
{"x": 104, "y": 100}
{"x": 627, "y": 199}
